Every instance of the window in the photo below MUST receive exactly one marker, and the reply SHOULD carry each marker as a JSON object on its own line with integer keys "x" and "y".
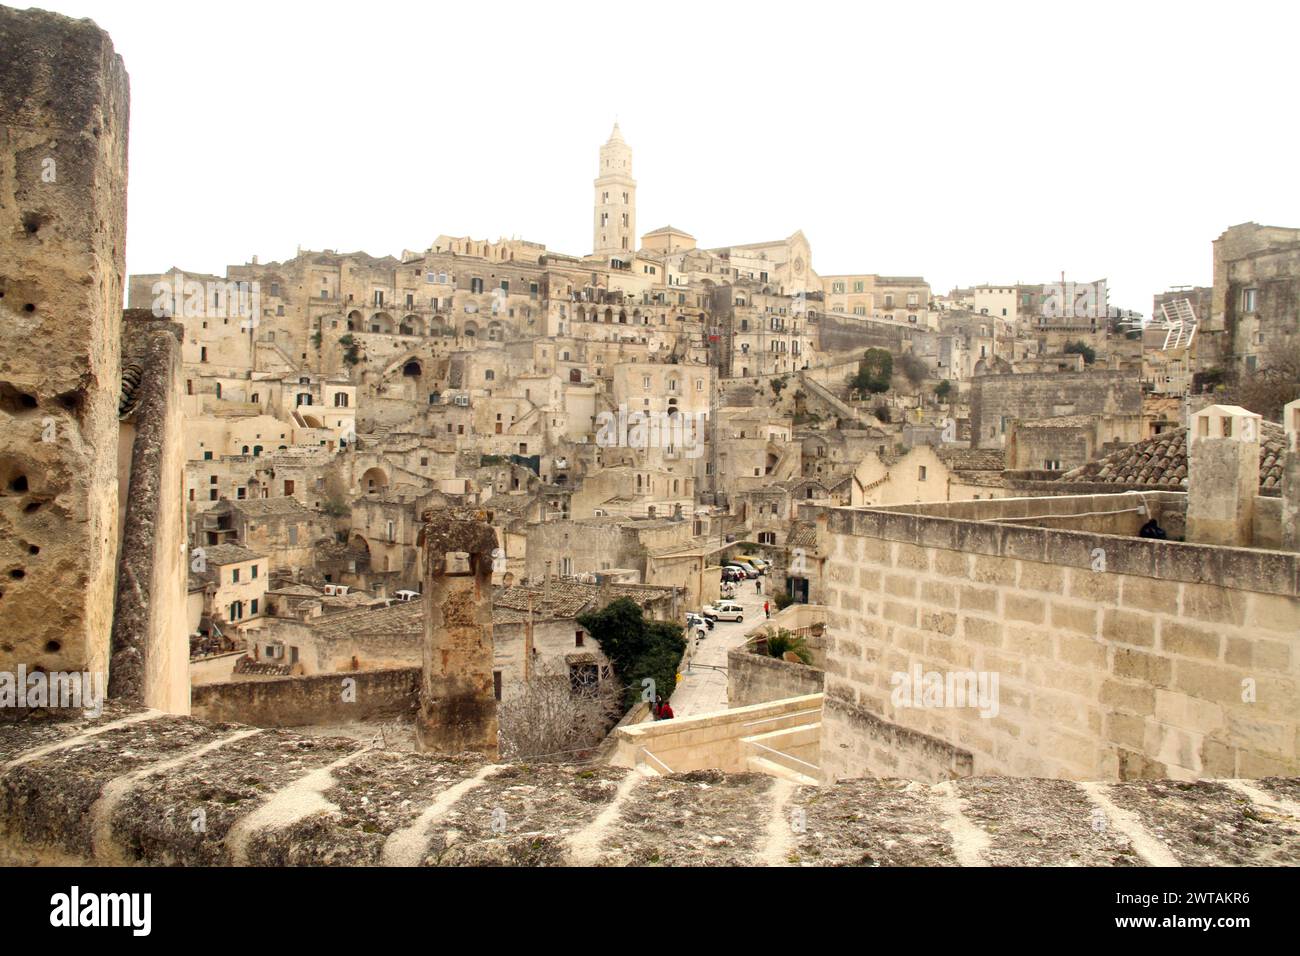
{"x": 1248, "y": 299}
{"x": 920, "y": 473}
{"x": 252, "y": 606}
{"x": 496, "y": 684}
{"x": 234, "y": 576}
{"x": 577, "y": 639}
{"x": 255, "y": 572}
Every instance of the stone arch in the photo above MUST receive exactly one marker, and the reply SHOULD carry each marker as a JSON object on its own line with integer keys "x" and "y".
{"x": 413, "y": 369}
{"x": 381, "y": 322}
{"x": 374, "y": 480}
{"x": 496, "y": 331}
{"x": 470, "y": 330}
{"x": 412, "y": 325}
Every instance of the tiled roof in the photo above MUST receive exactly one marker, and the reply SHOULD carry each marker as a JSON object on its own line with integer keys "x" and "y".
{"x": 398, "y": 620}
{"x": 972, "y": 459}
{"x": 223, "y": 554}
{"x": 265, "y": 507}
{"x": 1161, "y": 461}
{"x": 246, "y": 665}
{"x": 803, "y": 534}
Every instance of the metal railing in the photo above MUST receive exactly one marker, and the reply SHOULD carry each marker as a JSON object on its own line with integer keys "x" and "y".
{"x": 647, "y": 753}
{"x": 787, "y": 756}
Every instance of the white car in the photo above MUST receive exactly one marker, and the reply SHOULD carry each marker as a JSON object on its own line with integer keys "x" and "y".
{"x": 726, "y": 611}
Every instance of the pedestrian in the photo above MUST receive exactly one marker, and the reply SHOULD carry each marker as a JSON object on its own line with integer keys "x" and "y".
{"x": 767, "y": 609}
{"x": 658, "y": 707}
{"x": 758, "y": 585}
{"x": 666, "y": 711}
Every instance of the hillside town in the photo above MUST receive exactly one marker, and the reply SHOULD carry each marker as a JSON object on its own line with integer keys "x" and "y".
{"x": 648, "y": 420}
{"x": 492, "y": 554}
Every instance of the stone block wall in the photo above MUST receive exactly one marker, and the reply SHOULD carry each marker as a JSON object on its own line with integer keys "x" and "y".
{"x": 757, "y": 679}
{"x": 315, "y": 700}
{"x": 1116, "y": 657}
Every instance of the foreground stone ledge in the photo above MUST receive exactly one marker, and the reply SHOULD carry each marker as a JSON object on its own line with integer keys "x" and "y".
{"x": 138, "y": 787}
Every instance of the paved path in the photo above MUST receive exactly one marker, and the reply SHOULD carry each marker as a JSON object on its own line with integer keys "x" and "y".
{"x": 704, "y": 689}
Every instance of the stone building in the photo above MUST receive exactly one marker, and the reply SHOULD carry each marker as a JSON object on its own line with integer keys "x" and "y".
{"x": 1255, "y": 297}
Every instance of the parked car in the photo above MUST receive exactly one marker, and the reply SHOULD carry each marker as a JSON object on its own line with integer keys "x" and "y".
{"x": 745, "y": 569}
{"x": 726, "y": 611}
{"x": 731, "y": 574}
{"x": 692, "y": 619}
{"x": 760, "y": 564}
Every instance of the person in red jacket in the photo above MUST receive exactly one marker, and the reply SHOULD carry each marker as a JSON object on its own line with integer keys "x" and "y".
{"x": 666, "y": 711}
{"x": 767, "y": 609}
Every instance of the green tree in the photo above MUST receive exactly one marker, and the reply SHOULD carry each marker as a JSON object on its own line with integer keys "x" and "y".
{"x": 943, "y": 390}
{"x": 874, "y": 372}
{"x": 351, "y": 349}
{"x": 637, "y": 648}
{"x": 913, "y": 368}
{"x": 1081, "y": 348}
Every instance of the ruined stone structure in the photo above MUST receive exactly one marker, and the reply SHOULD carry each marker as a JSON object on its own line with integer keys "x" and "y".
{"x": 63, "y": 131}
{"x": 997, "y": 400}
{"x": 457, "y": 705}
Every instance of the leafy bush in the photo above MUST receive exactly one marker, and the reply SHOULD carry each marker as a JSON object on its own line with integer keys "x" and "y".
{"x": 783, "y": 642}
{"x": 637, "y": 648}
{"x": 1081, "y": 348}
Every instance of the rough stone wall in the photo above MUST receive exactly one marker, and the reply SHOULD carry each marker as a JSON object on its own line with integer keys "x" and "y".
{"x": 125, "y": 790}
{"x": 1175, "y": 660}
{"x": 150, "y": 650}
{"x": 1047, "y": 394}
{"x": 63, "y": 155}
{"x": 316, "y": 700}
{"x": 757, "y": 679}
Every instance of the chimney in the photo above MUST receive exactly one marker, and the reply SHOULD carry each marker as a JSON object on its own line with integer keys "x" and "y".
{"x": 1291, "y": 478}
{"x": 1222, "y": 475}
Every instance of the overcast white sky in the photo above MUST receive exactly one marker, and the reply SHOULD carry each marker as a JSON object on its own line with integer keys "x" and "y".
{"x": 967, "y": 142}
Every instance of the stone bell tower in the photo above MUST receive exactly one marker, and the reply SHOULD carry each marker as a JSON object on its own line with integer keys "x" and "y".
{"x": 614, "y": 231}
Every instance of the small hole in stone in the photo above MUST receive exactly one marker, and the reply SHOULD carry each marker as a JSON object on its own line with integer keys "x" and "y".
{"x": 19, "y": 484}
{"x": 18, "y": 574}
{"x": 32, "y": 223}
{"x": 33, "y": 549}
{"x": 32, "y": 507}
{"x": 29, "y": 307}
{"x": 53, "y": 647}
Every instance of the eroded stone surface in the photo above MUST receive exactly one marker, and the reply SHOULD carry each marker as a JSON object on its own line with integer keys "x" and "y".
{"x": 1207, "y": 824}
{"x": 139, "y": 787}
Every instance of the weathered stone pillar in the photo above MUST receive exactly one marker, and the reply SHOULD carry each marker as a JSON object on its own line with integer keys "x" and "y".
{"x": 1291, "y": 477}
{"x": 63, "y": 133}
{"x": 458, "y": 709}
{"x": 150, "y": 656}
{"x": 1222, "y": 475}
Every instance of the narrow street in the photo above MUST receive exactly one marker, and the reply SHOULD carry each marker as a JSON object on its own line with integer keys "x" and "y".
{"x": 704, "y": 678}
